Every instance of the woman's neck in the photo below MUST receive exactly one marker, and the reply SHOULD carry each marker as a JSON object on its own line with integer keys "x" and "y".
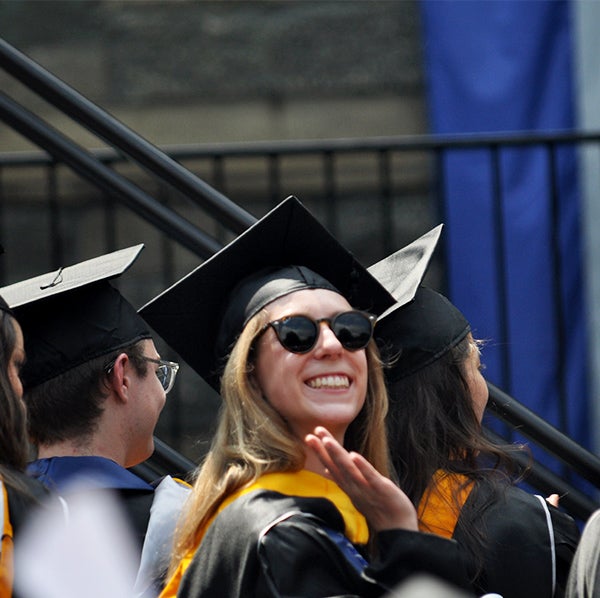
{"x": 314, "y": 464}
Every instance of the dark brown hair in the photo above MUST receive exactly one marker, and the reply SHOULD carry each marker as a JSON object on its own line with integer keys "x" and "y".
{"x": 433, "y": 426}
{"x": 68, "y": 406}
{"x": 14, "y": 449}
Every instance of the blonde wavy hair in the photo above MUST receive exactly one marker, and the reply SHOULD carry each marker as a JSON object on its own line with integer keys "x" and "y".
{"x": 252, "y": 439}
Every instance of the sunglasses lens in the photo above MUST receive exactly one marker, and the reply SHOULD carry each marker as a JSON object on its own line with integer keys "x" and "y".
{"x": 297, "y": 334}
{"x": 353, "y": 329}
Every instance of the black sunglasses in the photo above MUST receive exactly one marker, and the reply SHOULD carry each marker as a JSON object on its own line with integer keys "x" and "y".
{"x": 299, "y": 334}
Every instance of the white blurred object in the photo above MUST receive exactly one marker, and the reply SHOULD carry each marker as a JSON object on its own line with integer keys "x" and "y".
{"x": 169, "y": 497}
{"x": 83, "y": 547}
{"x": 427, "y": 586}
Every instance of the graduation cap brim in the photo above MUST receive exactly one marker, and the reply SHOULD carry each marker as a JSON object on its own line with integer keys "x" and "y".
{"x": 402, "y": 272}
{"x": 422, "y": 325}
{"x": 74, "y": 314}
{"x": 63, "y": 280}
{"x": 188, "y": 314}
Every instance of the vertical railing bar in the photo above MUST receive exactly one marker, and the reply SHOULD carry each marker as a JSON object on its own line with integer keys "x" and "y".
{"x": 385, "y": 185}
{"x": 2, "y": 222}
{"x": 219, "y": 176}
{"x": 274, "y": 174}
{"x": 330, "y": 192}
{"x": 557, "y": 263}
{"x": 501, "y": 273}
{"x": 438, "y": 189}
{"x": 109, "y": 214}
{"x": 56, "y": 249}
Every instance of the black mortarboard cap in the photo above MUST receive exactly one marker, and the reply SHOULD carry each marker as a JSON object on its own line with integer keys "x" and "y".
{"x": 74, "y": 314}
{"x": 202, "y": 315}
{"x": 420, "y": 333}
{"x": 423, "y": 325}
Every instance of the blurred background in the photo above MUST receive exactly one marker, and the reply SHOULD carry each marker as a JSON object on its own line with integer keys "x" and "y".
{"x": 384, "y": 117}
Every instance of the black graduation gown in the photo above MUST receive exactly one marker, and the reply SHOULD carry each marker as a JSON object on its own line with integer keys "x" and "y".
{"x": 266, "y": 544}
{"x": 22, "y": 503}
{"x": 517, "y": 561}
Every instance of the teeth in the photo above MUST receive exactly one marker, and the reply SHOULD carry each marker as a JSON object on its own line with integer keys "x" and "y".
{"x": 329, "y": 382}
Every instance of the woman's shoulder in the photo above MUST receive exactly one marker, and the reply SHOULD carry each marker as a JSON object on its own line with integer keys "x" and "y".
{"x": 262, "y": 507}
{"x": 511, "y": 512}
{"x": 528, "y": 543}
{"x": 24, "y": 494}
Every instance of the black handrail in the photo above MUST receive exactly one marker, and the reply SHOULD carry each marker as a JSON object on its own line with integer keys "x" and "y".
{"x": 100, "y": 122}
{"x": 350, "y": 145}
{"x": 540, "y": 431}
{"x": 89, "y": 167}
{"x": 546, "y": 481}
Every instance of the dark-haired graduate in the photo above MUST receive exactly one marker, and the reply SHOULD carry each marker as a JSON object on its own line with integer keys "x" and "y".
{"x": 293, "y": 498}
{"x": 19, "y": 494}
{"x": 519, "y": 545}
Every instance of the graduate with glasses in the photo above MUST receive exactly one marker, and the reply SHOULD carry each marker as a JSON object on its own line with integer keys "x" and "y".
{"x": 94, "y": 386}
{"x": 294, "y": 496}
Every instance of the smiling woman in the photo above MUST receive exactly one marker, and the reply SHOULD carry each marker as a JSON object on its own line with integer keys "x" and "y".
{"x": 326, "y": 385}
{"x": 294, "y": 493}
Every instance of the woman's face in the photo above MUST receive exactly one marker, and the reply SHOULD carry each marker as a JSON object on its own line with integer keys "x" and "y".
{"x": 326, "y": 386}
{"x": 475, "y": 380}
{"x": 16, "y": 361}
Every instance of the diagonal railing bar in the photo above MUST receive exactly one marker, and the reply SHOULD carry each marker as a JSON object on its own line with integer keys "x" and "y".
{"x": 553, "y": 441}
{"x": 89, "y": 167}
{"x": 544, "y": 480}
{"x": 103, "y": 124}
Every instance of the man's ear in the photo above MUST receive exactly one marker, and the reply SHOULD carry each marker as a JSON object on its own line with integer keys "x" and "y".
{"x": 119, "y": 379}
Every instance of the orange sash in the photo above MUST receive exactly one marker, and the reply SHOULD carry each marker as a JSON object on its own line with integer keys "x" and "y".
{"x": 298, "y": 483}
{"x": 442, "y": 503}
{"x": 6, "y": 550}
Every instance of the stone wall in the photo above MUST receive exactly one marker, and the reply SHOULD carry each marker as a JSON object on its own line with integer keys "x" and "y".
{"x": 196, "y": 72}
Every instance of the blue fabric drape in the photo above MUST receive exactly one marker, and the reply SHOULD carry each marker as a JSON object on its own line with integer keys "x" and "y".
{"x": 507, "y": 66}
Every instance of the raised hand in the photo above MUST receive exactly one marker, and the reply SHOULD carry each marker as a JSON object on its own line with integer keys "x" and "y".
{"x": 382, "y": 502}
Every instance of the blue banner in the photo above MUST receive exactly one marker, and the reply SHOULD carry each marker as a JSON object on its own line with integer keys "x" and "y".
{"x": 513, "y": 241}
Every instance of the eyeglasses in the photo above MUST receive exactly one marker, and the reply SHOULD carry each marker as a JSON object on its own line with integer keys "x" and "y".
{"x": 166, "y": 371}
{"x": 299, "y": 334}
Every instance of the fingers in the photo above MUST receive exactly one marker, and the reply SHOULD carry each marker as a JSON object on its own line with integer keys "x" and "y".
{"x": 382, "y": 502}
{"x": 338, "y": 461}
